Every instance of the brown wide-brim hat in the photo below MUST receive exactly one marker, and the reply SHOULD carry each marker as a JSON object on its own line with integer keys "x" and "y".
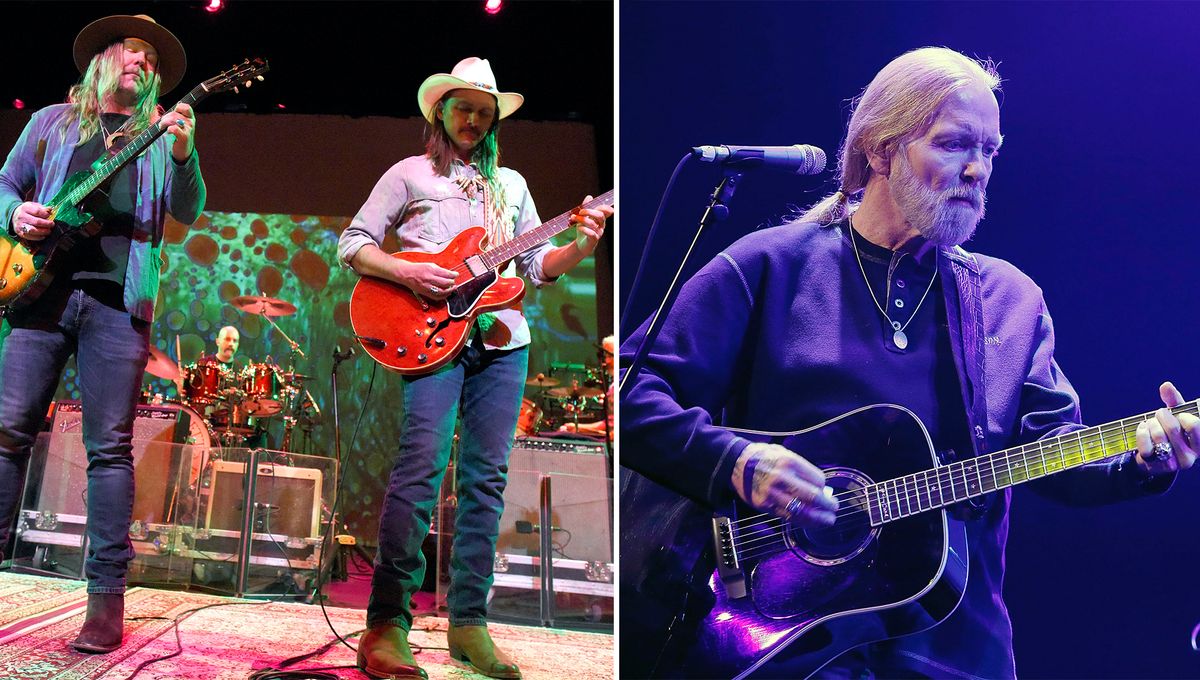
{"x": 172, "y": 61}
{"x": 471, "y": 73}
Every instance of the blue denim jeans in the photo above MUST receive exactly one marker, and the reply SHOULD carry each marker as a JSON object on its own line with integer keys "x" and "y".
{"x": 485, "y": 387}
{"x": 111, "y": 349}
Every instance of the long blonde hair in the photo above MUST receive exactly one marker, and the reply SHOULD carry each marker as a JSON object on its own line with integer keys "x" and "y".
{"x": 99, "y": 83}
{"x": 486, "y": 157}
{"x": 902, "y": 100}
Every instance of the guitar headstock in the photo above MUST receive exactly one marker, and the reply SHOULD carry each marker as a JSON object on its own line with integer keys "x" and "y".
{"x": 244, "y": 74}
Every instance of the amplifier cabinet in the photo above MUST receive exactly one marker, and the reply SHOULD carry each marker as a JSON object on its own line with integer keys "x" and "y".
{"x": 57, "y": 482}
{"x": 288, "y": 499}
{"x": 580, "y": 498}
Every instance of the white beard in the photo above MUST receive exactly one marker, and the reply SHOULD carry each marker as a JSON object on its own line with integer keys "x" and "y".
{"x": 932, "y": 213}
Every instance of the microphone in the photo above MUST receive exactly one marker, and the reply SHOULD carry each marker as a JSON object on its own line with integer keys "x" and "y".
{"x": 803, "y": 159}
{"x": 524, "y": 527}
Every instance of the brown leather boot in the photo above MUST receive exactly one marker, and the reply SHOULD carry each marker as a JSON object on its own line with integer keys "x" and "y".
{"x": 104, "y": 625}
{"x": 383, "y": 652}
{"x": 472, "y": 645}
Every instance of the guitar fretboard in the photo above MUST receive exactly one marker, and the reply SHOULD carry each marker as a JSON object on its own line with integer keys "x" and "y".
{"x": 536, "y": 236}
{"x": 131, "y": 150}
{"x": 942, "y": 486}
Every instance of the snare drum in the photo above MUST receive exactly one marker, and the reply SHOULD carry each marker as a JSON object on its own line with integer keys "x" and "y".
{"x": 527, "y": 422}
{"x": 260, "y": 382}
{"x": 203, "y": 383}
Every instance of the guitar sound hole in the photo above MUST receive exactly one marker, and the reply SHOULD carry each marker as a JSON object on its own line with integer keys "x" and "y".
{"x": 849, "y": 535}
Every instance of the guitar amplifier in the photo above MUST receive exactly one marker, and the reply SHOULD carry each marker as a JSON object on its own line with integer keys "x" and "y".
{"x": 57, "y": 483}
{"x": 580, "y": 498}
{"x": 289, "y": 499}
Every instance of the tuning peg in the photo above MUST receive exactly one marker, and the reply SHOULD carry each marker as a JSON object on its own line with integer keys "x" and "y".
{"x": 259, "y": 78}
{"x": 235, "y": 90}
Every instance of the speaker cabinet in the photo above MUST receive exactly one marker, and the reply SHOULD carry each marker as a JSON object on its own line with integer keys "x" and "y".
{"x": 288, "y": 499}
{"x": 581, "y": 508}
{"x": 61, "y": 480}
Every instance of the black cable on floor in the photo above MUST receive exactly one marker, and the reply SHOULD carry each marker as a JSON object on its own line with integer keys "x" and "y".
{"x": 175, "y": 626}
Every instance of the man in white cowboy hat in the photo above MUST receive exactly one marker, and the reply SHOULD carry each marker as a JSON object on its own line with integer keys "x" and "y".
{"x": 428, "y": 199}
{"x": 100, "y": 302}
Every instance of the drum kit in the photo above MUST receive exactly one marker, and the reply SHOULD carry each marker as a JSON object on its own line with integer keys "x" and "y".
{"x": 235, "y": 404}
{"x": 574, "y": 393}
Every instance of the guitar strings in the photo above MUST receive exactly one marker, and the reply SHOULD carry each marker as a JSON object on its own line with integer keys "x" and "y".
{"x": 754, "y": 531}
{"x": 519, "y": 239}
{"x": 1068, "y": 457}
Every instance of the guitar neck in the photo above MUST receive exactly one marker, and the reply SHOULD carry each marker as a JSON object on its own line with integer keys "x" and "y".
{"x": 538, "y": 235}
{"x": 132, "y": 149}
{"x": 948, "y": 484}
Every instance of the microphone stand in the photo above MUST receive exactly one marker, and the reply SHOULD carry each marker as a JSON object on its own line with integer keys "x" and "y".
{"x": 716, "y": 211}
{"x": 325, "y": 566}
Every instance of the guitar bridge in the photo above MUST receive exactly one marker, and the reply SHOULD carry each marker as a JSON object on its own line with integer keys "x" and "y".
{"x": 729, "y": 570}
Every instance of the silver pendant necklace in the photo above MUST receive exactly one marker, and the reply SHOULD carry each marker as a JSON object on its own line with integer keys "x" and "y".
{"x": 898, "y": 336}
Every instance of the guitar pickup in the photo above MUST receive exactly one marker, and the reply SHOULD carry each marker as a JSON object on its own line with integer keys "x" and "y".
{"x": 729, "y": 570}
{"x": 475, "y": 265}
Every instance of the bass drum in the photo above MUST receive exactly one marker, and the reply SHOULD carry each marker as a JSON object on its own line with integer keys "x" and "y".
{"x": 527, "y": 422}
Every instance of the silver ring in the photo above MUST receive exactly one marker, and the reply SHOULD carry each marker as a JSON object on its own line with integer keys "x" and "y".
{"x": 1162, "y": 451}
{"x": 794, "y": 507}
{"x": 433, "y": 289}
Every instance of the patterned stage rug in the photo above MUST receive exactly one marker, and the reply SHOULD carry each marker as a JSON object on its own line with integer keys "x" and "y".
{"x": 229, "y": 642}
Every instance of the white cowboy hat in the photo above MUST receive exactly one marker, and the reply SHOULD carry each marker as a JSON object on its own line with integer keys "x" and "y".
{"x": 471, "y": 73}
{"x": 172, "y": 61}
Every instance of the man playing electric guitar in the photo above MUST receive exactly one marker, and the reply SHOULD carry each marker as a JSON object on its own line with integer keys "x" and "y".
{"x": 428, "y": 199}
{"x": 864, "y": 299}
{"x": 100, "y": 303}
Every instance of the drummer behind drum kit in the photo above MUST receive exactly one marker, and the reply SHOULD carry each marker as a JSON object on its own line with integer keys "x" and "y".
{"x": 576, "y": 396}
{"x": 230, "y": 401}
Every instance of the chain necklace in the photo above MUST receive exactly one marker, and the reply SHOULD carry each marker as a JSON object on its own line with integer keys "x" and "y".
{"x": 898, "y": 336}
{"x": 110, "y": 138}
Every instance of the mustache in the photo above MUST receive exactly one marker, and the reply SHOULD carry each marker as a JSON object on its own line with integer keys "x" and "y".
{"x": 977, "y": 197}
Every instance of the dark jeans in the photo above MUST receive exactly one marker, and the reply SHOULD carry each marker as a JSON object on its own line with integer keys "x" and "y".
{"x": 487, "y": 387}
{"x": 111, "y": 349}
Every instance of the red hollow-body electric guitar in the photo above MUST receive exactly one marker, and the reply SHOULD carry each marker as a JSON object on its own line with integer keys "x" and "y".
{"x": 411, "y": 334}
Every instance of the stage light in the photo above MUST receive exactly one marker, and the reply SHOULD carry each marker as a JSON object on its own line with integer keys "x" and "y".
{"x": 18, "y": 104}
{"x": 492, "y": 6}
{"x": 214, "y": 6}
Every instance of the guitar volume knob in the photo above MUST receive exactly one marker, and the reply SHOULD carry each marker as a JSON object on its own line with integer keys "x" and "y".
{"x": 439, "y": 341}
{"x": 421, "y": 358}
{"x": 401, "y": 351}
{"x": 430, "y": 321}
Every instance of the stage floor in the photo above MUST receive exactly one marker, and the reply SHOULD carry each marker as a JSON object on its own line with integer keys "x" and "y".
{"x": 39, "y": 615}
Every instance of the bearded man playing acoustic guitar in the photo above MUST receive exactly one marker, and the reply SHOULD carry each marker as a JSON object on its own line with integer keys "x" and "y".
{"x": 864, "y": 299}
{"x": 100, "y": 302}
{"x": 428, "y": 200}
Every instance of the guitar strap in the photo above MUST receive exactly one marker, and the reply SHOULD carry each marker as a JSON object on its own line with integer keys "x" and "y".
{"x": 964, "y": 310}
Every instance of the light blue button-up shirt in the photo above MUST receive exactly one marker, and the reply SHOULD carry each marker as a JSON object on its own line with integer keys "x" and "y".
{"x": 427, "y": 210}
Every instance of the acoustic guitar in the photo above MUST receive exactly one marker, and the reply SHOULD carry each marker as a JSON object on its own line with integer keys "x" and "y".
{"x": 739, "y": 593}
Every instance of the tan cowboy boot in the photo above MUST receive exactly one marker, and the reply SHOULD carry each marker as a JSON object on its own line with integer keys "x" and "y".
{"x": 104, "y": 625}
{"x": 472, "y": 645}
{"x": 383, "y": 652}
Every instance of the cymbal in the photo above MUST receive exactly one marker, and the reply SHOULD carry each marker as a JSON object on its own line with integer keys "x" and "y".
{"x": 540, "y": 380}
{"x": 161, "y": 366}
{"x": 261, "y": 304}
{"x": 576, "y": 392}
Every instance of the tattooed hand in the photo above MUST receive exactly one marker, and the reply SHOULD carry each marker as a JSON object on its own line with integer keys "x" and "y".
{"x": 776, "y": 480}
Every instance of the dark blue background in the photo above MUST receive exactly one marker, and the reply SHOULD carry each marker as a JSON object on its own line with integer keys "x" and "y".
{"x": 1093, "y": 196}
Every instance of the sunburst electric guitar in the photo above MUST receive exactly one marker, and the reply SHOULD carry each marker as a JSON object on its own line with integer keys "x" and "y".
{"x": 27, "y": 267}
{"x": 740, "y": 594}
{"x": 411, "y": 334}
